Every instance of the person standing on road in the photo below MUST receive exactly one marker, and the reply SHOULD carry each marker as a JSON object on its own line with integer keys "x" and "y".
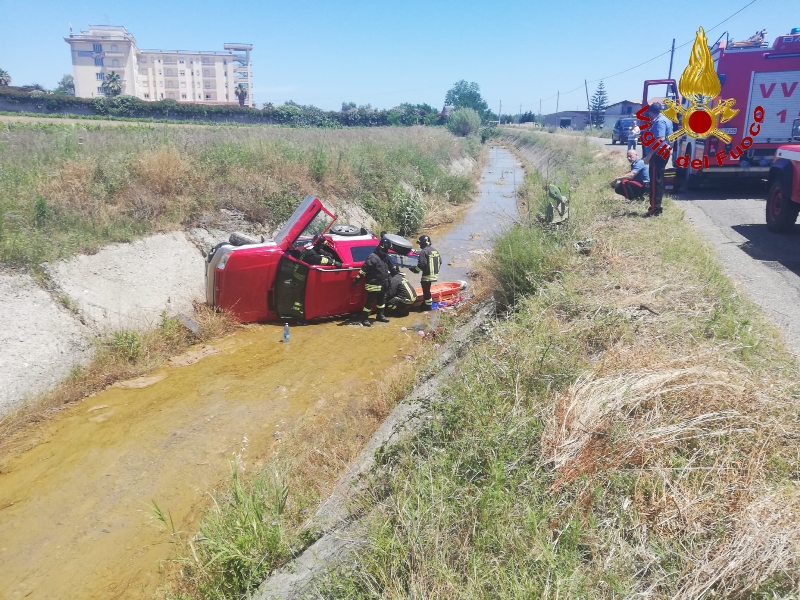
{"x": 661, "y": 127}
{"x": 633, "y": 136}
{"x": 635, "y": 183}
{"x": 376, "y": 271}
{"x": 428, "y": 264}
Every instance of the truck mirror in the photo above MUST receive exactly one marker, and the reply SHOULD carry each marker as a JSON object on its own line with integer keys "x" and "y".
{"x": 796, "y": 130}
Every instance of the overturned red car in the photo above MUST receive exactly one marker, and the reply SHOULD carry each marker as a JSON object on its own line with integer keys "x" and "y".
{"x": 265, "y": 281}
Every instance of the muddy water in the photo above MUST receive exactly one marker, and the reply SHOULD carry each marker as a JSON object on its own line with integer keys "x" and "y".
{"x": 75, "y": 518}
{"x": 496, "y": 206}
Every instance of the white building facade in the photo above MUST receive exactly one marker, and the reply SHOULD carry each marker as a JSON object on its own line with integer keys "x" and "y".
{"x": 181, "y": 75}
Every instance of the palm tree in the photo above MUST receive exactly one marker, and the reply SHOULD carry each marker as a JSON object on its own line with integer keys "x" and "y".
{"x": 112, "y": 84}
{"x": 241, "y": 93}
{"x": 5, "y": 78}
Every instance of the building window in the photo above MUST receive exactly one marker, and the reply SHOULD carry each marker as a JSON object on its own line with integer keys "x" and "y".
{"x": 97, "y": 47}
{"x": 100, "y": 90}
{"x": 192, "y": 73}
{"x": 183, "y": 96}
{"x": 99, "y": 76}
{"x": 208, "y": 84}
{"x": 98, "y": 62}
{"x": 181, "y": 61}
{"x": 115, "y": 63}
{"x": 206, "y": 61}
{"x": 142, "y": 71}
{"x": 182, "y": 73}
{"x": 198, "y": 84}
{"x": 206, "y": 73}
{"x": 162, "y": 95}
{"x": 168, "y": 72}
{"x": 159, "y": 72}
{"x": 160, "y": 84}
{"x": 225, "y": 62}
{"x": 183, "y": 84}
{"x": 147, "y": 96}
{"x": 208, "y": 96}
{"x": 114, "y": 48}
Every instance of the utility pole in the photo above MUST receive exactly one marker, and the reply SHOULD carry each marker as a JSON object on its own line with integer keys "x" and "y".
{"x": 558, "y": 97}
{"x": 540, "y": 112}
{"x": 500, "y": 113}
{"x": 588, "y": 106}
{"x": 672, "y": 54}
{"x": 519, "y": 119}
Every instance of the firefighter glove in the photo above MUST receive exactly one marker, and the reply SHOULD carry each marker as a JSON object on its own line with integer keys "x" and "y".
{"x": 337, "y": 264}
{"x": 356, "y": 281}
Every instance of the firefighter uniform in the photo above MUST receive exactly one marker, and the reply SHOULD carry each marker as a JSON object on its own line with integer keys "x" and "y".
{"x": 428, "y": 264}
{"x": 401, "y": 295}
{"x": 376, "y": 270}
{"x": 318, "y": 253}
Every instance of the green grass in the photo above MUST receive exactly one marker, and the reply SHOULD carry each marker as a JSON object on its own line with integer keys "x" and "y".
{"x": 66, "y": 189}
{"x": 627, "y": 429}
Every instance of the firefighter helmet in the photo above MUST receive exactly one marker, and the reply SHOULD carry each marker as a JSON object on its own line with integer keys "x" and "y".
{"x": 319, "y": 239}
{"x": 385, "y": 244}
{"x": 424, "y": 240}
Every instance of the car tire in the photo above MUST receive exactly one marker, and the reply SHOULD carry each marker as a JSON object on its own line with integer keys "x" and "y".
{"x": 613, "y": 141}
{"x": 346, "y": 230}
{"x": 781, "y": 211}
{"x": 242, "y": 239}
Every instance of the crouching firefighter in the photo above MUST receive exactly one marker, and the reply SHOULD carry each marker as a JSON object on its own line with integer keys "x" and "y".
{"x": 401, "y": 295}
{"x": 428, "y": 264}
{"x": 376, "y": 272}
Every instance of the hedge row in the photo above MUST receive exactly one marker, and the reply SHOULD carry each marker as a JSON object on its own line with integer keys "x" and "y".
{"x": 286, "y": 114}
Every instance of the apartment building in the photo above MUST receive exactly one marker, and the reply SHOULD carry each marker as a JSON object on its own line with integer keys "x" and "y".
{"x": 205, "y": 77}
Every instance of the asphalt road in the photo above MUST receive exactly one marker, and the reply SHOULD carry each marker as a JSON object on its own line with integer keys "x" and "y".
{"x": 766, "y": 265}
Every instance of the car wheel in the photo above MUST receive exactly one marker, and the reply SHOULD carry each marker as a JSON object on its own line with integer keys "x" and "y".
{"x": 781, "y": 211}
{"x": 345, "y": 230}
{"x": 241, "y": 239}
{"x": 613, "y": 141}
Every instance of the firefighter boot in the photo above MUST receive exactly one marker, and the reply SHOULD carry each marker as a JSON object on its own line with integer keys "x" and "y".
{"x": 381, "y": 318}
{"x": 365, "y": 321}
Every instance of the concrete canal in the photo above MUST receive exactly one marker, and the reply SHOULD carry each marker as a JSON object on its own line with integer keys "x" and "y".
{"x": 75, "y": 517}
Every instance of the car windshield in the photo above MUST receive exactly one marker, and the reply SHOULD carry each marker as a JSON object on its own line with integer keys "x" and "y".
{"x": 317, "y": 225}
{"x": 628, "y": 123}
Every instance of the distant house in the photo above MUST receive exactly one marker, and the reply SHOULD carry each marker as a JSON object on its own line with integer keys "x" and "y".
{"x": 568, "y": 119}
{"x": 621, "y": 110}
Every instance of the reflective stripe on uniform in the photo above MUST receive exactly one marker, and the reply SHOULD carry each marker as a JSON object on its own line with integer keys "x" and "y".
{"x": 380, "y": 306}
{"x": 410, "y": 292}
{"x": 430, "y": 278}
{"x": 371, "y": 287}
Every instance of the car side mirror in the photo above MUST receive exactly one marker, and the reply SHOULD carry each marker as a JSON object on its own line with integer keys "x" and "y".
{"x": 796, "y": 130}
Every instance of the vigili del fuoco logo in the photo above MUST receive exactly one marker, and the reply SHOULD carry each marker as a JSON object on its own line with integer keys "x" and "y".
{"x": 699, "y": 85}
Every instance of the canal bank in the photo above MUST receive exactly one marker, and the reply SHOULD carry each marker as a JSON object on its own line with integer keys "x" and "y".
{"x": 75, "y": 515}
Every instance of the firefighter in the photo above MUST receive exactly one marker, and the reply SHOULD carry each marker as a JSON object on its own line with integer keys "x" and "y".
{"x": 401, "y": 295}
{"x": 319, "y": 254}
{"x": 428, "y": 264}
{"x": 376, "y": 270}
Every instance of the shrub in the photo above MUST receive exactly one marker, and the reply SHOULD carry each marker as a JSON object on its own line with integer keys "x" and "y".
{"x": 464, "y": 121}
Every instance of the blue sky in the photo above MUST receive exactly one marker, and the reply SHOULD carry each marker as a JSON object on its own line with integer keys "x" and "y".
{"x": 383, "y": 53}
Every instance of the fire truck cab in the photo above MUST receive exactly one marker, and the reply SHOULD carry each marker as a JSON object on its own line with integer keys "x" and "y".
{"x": 783, "y": 198}
{"x": 766, "y": 76}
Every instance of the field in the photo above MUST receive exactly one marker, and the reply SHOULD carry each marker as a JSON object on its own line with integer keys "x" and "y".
{"x": 67, "y": 188}
{"x": 627, "y": 429}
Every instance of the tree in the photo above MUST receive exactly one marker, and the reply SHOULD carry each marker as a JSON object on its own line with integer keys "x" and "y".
{"x": 464, "y": 121}
{"x": 348, "y": 106}
{"x": 241, "y": 93}
{"x": 5, "y": 78}
{"x": 66, "y": 85}
{"x": 112, "y": 84}
{"x": 465, "y": 94}
{"x": 598, "y": 106}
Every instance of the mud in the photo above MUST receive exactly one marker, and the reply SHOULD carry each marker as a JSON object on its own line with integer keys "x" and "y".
{"x": 76, "y": 519}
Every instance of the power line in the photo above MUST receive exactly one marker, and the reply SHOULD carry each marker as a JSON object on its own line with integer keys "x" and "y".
{"x": 649, "y": 60}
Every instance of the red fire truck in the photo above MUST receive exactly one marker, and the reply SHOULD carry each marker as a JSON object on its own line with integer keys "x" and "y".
{"x": 768, "y": 76}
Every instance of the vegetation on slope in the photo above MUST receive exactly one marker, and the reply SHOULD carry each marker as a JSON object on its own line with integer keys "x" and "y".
{"x": 629, "y": 429}
{"x": 66, "y": 189}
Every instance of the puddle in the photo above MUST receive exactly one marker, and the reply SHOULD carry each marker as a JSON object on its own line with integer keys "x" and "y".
{"x": 75, "y": 518}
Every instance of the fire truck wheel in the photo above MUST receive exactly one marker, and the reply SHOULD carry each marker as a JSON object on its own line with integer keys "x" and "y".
{"x": 345, "y": 230}
{"x": 781, "y": 211}
{"x": 693, "y": 182}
